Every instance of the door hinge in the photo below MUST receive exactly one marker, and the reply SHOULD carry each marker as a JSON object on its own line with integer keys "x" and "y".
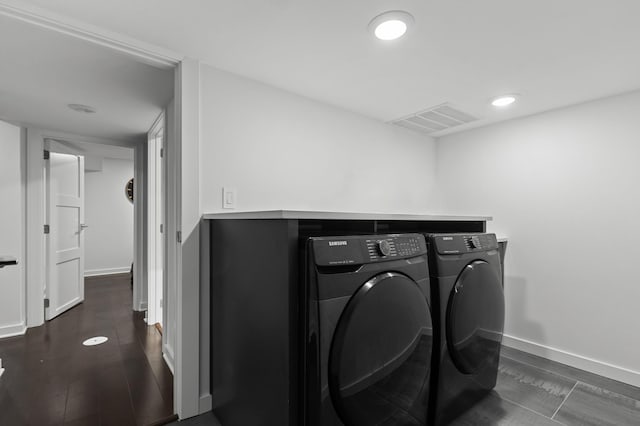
{"x": 46, "y": 303}
{"x": 161, "y": 152}
{"x": 47, "y": 154}
{"x": 46, "y": 229}
{"x": 179, "y": 236}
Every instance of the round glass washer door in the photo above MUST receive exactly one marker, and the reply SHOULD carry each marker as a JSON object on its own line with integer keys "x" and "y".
{"x": 380, "y": 357}
{"x": 475, "y": 317}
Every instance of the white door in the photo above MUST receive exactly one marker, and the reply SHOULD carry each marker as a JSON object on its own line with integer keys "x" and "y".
{"x": 65, "y": 242}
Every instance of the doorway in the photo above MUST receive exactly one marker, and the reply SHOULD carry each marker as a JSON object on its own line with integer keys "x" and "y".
{"x": 124, "y": 380}
{"x": 89, "y": 215}
{"x": 118, "y": 88}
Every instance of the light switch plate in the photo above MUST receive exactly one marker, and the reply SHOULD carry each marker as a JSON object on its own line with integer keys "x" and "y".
{"x": 229, "y": 198}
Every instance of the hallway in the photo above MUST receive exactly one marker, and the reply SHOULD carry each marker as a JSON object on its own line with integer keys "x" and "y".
{"x": 52, "y": 379}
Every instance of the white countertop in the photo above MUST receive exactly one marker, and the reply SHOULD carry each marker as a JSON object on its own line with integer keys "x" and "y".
{"x": 304, "y": 214}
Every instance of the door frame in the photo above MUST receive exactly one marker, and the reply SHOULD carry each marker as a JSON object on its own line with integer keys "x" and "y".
{"x": 155, "y": 218}
{"x": 191, "y": 395}
{"x": 35, "y": 215}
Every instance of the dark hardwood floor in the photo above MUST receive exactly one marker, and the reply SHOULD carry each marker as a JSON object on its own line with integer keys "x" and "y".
{"x": 52, "y": 379}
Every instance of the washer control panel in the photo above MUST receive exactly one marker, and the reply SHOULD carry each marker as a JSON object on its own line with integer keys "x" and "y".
{"x": 352, "y": 250}
{"x": 463, "y": 243}
{"x": 389, "y": 246}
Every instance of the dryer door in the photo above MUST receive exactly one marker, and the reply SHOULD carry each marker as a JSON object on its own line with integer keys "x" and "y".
{"x": 380, "y": 356}
{"x": 475, "y": 317}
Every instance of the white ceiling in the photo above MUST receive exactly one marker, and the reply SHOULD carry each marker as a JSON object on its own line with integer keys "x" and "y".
{"x": 41, "y": 71}
{"x": 554, "y": 53}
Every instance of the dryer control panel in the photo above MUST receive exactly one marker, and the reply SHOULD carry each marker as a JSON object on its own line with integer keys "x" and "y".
{"x": 463, "y": 243}
{"x": 367, "y": 248}
{"x": 387, "y": 246}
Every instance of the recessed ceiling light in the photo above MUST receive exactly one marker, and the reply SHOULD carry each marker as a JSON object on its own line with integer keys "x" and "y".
{"x": 391, "y": 25}
{"x": 82, "y": 108}
{"x": 504, "y": 100}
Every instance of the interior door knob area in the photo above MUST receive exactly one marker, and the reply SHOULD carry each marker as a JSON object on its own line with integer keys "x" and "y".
{"x": 7, "y": 261}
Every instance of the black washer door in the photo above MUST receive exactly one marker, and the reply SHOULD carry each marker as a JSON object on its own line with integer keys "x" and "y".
{"x": 380, "y": 357}
{"x": 475, "y": 317}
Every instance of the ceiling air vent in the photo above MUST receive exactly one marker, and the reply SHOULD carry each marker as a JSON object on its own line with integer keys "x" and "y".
{"x": 436, "y": 119}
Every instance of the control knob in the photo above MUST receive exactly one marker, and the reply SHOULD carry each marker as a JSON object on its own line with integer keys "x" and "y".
{"x": 384, "y": 247}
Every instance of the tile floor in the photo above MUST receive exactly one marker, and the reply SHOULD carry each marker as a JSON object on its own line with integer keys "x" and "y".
{"x": 533, "y": 391}
{"x": 51, "y": 379}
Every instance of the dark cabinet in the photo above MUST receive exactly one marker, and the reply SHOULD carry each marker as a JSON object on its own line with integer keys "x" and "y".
{"x": 257, "y": 286}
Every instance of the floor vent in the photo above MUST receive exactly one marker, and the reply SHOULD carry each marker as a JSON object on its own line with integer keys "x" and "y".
{"x": 436, "y": 119}
{"x": 94, "y": 341}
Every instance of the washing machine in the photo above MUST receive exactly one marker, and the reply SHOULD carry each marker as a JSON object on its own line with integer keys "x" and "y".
{"x": 369, "y": 331}
{"x": 467, "y": 292}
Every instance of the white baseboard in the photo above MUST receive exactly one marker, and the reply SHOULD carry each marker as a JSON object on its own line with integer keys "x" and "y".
{"x": 601, "y": 368}
{"x": 12, "y": 330}
{"x": 108, "y": 271}
{"x": 206, "y": 403}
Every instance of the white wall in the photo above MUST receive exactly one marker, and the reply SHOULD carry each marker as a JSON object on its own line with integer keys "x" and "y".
{"x": 283, "y": 151}
{"x": 563, "y": 186}
{"x": 12, "y": 178}
{"x": 109, "y": 215}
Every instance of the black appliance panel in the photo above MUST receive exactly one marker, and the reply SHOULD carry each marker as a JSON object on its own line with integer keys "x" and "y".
{"x": 464, "y": 243}
{"x": 350, "y": 250}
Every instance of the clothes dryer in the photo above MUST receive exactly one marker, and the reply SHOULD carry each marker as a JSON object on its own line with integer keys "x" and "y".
{"x": 469, "y": 314}
{"x": 369, "y": 331}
